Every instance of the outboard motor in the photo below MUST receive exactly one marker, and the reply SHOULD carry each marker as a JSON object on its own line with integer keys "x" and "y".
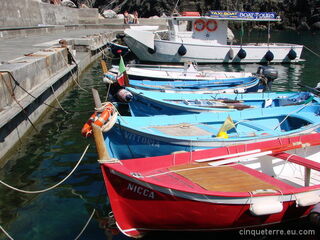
{"x": 120, "y": 36}
{"x": 124, "y": 95}
{"x": 267, "y": 74}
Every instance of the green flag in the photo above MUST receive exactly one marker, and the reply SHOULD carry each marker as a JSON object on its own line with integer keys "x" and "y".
{"x": 122, "y": 67}
{"x": 122, "y": 74}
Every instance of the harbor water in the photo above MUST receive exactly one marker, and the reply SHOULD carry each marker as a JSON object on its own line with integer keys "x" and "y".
{"x": 47, "y": 155}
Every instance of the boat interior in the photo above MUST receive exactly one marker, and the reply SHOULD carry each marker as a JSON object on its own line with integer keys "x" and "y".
{"x": 243, "y": 128}
{"x": 241, "y": 104}
{"x": 276, "y": 173}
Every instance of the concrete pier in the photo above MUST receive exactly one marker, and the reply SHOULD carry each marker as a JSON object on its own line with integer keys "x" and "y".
{"x": 34, "y": 68}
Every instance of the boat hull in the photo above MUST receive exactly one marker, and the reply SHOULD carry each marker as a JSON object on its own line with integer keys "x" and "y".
{"x": 173, "y": 72}
{"x": 147, "y": 103}
{"x": 133, "y": 137}
{"x": 243, "y": 85}
{"x": 167, "y": 51}
{"x": 140, "y": 208}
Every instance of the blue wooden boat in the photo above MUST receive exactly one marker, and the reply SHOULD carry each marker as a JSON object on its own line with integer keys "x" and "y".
{"x": 150, "y": 103}
{"x": 235, "y": 85}
{"x": 133, "y": 137}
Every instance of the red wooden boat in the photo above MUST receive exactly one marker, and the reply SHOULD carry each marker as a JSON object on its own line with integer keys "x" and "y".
{"x": 225, "y": 188}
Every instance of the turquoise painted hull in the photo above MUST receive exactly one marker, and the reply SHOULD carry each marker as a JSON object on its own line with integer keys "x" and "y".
{"x": 248, "y": 84}
{"x": 149, "y": 103}
{"x": 133, "y": 137}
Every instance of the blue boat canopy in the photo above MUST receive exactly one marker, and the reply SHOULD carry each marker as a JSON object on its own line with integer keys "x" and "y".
{"x": 236, "y": 16}
{"x": 244, "y": 15}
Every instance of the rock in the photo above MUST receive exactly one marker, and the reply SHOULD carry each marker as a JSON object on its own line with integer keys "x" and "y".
{"x": 297, "y": 14}
{"x": 109, "y": 14}
{"x": 120, "y": 16}
{"x": 315, "y": 26}
{"x": 68, "y": 3}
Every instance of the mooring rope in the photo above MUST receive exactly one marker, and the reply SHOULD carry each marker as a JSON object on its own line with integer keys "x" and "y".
{"x": 17, "y": 84}
{"x": 6, "y": 233}
{"x": 289, "y": 114}
{"x": 312, "y": 51}
{"x": 77, "y": 237}
{"x": 70, "y": 69}
{"x": 57, "y": 100}
{"x": 52, "y": 187}
{"x": 86, "y": 225}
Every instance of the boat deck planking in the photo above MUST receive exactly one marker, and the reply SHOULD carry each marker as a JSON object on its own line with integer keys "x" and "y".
{"x": 228, "y": 178}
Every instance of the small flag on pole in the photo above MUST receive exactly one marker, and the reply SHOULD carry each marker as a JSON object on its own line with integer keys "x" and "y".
{"x": 123, "y": 77}
{"x": 227, "y": 125}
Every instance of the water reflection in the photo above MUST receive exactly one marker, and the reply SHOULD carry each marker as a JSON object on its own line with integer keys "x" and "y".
{"x": 45, "y": 158}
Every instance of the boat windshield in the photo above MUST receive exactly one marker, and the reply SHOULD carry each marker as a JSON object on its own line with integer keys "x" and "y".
{"x": 184, "y": 26}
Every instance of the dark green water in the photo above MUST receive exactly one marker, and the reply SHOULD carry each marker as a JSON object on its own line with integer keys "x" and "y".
{"x": 45, "y": 158}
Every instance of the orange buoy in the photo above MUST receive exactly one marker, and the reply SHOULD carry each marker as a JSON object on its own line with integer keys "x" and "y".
{"x": 86, "y": 130}
{"x": 97, "y": 119}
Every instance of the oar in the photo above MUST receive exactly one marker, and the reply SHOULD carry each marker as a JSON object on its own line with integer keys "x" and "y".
{"x": 246, "y": 153}
{"x": 227, "y": 100}
{"x": 264, "y": 153}
{"x": 97, "y": 100}
{"x": 100, "y": 144}
{"x": 316, "y": 91}
{"x": 229, "y": 106}
{"x": 104, "y": 66}
{"x": 282, "y": 148}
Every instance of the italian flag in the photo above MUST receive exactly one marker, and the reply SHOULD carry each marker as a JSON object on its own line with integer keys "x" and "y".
{"x": 122, "y": 74}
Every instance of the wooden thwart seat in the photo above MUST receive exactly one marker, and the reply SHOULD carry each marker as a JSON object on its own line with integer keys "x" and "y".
{"x": 184, "y": 129}
{"x": 222, "y": 178}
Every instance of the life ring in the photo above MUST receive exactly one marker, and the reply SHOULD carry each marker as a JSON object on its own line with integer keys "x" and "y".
{"x": 106, "y": 119}
{"x": 213, "y": 27}
{"x": 86, "y": 130}
{"x": 199, "y": 25}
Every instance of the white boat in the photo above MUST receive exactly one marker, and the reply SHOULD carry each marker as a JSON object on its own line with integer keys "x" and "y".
{"x": 204, "y": 39}
{"x": 188, "y": 72}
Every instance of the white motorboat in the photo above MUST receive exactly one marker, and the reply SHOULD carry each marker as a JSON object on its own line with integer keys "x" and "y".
{"x": 204, "y": 39}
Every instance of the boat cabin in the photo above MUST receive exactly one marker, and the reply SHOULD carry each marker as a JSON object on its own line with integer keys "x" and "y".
{"x": 213, "y": 28}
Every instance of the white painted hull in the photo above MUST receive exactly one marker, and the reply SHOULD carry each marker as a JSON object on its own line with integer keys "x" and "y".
{"x": 167, "y": 51}
{"x": 179, "y": 74}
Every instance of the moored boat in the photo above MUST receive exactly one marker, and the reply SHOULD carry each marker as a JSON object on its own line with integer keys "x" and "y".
{"x": 233, "y": 187}
{"x": 188, "y": 72}
{"x": 234, "y": 85}
{"x": 133, "y": 137}
{"x": 144, "y": 103}
{"x": 204, "y": 39}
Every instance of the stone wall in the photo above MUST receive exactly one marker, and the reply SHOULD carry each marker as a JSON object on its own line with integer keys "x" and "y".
{"x": 30, "y": 13}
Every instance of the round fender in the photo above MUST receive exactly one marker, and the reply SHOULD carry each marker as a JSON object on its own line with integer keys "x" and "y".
{"x": 182, "y": 50}
{"x": 269, "y": 56}
{"x": 242, "y": 53}
{"x": 292, "y": 54}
